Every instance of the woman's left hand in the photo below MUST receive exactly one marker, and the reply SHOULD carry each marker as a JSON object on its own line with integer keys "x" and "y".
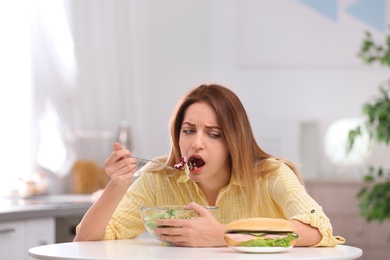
{"x": 202, "y": 231}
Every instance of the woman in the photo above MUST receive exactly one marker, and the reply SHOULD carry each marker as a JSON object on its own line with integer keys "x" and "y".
{"x": 233, "y": 173}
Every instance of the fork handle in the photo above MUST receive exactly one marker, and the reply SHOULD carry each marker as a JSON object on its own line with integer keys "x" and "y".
{"x": 152, "y": 161}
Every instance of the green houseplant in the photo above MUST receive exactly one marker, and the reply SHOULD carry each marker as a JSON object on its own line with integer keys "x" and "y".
{"x": 374, "y": 197}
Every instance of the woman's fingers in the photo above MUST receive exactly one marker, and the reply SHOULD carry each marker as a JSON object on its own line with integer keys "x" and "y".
{"x": 170, "y": 231}
{"x": 117, "y": 146}
{"x": 201, "y": 211}
{"x": 126, "y": 164}
{"x": 120, "y": 165}
{"x": 172, "y": 234}
{"x": 172, "y": 222}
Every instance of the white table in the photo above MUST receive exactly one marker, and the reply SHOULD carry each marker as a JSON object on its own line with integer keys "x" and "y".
{"x": 149, "y": 248}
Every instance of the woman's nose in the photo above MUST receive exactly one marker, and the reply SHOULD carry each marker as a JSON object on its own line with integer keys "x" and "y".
{"x": 198, "y": 142}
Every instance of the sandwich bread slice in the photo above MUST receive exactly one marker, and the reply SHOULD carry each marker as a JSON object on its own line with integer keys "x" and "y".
{"x": 260, "y": 232}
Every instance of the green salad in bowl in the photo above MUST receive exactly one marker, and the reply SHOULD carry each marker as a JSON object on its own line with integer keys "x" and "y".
{"x": 150, "y": 215}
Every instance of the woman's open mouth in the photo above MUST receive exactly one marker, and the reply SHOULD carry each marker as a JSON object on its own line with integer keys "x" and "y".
{"x": 195, "y": 163}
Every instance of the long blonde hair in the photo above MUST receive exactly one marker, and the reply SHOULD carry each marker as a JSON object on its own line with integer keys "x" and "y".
{"x": 246, "y": 157}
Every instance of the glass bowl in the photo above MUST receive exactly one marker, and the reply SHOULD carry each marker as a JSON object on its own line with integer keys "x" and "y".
{"x": 150, "y": 215}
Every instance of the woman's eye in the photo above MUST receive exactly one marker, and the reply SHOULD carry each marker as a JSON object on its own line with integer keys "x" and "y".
{"x": 187, "y": 131}
{"x": 215, "y": 135}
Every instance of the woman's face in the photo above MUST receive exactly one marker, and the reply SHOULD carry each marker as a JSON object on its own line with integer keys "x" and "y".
{"x": 201, "y": 137}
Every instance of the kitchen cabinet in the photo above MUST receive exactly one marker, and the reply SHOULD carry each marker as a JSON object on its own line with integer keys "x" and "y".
{"x": 16, "y": 237}
{"x": 12, "y": 244}
{"x": 39, "y": 220}
{"x": 338, "y": 199}
{"x": 39, "y": 231}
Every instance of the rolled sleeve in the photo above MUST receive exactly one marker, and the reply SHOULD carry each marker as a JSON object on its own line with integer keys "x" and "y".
{"x": 317, "y": 218}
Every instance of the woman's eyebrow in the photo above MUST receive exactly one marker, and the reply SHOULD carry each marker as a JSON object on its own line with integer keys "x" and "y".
{"x": 213, "y": 127}
{"x": 207, "y": 126}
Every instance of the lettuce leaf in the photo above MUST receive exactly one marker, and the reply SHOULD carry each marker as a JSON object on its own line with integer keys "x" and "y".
{"x": 282, "y": 242}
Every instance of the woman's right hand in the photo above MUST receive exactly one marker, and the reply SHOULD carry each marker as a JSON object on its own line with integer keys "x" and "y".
{"x": 120, "y": 166}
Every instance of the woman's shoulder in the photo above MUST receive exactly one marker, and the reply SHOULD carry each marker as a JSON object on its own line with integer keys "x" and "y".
{"x": 273, "y": 164}
{"x": 276, "y": 168}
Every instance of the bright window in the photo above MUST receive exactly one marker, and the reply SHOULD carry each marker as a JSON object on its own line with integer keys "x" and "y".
{"x": 15, "y": 92}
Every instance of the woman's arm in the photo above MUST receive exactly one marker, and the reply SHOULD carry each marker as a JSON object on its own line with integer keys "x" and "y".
{"x": 120, "y": 167}
{"x": 308, "y": 235}
{"x": 314, "y": 227}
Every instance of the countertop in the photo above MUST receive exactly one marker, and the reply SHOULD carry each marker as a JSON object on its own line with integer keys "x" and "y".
{"x": 44, "y": 206}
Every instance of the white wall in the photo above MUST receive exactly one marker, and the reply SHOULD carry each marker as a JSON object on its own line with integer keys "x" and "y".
{"x": 288, "y": 62}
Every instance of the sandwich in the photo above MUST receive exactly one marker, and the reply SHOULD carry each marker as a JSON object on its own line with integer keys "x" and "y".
{"x": 260, "y": 232}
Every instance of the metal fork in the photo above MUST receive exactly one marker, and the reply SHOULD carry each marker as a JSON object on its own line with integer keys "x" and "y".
{"x": 152, "y": 161}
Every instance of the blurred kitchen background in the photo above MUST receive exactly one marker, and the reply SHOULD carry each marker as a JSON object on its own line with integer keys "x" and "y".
{"x": 79, "y": 75}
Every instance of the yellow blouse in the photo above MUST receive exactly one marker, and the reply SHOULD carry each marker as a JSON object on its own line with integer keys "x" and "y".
{"x": 281, "y": 196}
